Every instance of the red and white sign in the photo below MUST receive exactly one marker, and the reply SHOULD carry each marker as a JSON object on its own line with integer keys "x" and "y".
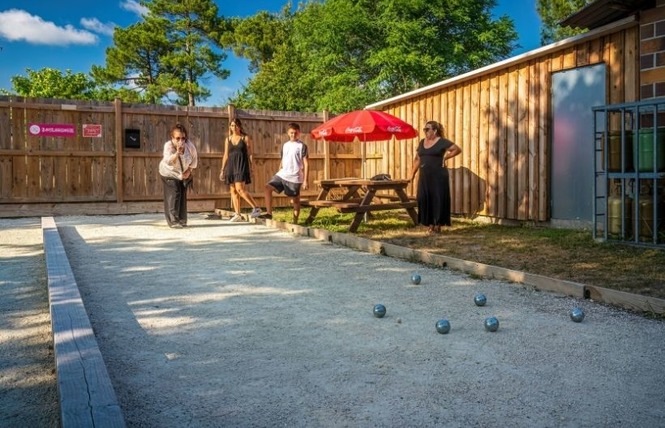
{"x": 52, "y": 129}
{"x": 90, "y": 130}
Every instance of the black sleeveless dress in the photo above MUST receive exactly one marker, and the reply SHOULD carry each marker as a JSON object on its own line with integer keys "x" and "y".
{"x": 433, "y": 185}
{"x": 237, "y": 164}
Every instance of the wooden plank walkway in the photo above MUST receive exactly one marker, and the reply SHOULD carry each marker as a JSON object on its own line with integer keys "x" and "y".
{"x": 87, "y": 398}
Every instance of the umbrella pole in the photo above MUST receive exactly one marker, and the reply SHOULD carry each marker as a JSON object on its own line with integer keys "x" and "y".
{"x": 363, "y": 155}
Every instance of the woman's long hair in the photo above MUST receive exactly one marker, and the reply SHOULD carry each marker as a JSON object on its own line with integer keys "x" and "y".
{"x": 238, "y": 125}
{"x": 437, "y": 127}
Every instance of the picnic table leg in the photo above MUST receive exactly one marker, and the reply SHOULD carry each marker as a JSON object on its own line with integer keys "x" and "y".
{"x": 315, "y": 210}
{"x": 312, "y": 215}
{"x": 403, "y": 197}
{"x": 356, "y": 222}
{"x": 350, "y": 193}
{"x": 360, "y": 215}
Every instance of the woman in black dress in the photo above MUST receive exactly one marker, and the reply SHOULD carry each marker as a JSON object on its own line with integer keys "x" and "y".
{"x": 237, "y": 168}
{"x": 434, "y": 184}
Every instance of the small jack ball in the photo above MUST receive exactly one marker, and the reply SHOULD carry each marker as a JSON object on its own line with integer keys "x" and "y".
{"x": 577, "y": 314}
{"x": 491, "y": 324}
{"x": 415, "y": 279}
{"x": 379, "y": 311}
{"x": 443, "y": 326}
{"x": 480, "y": 299}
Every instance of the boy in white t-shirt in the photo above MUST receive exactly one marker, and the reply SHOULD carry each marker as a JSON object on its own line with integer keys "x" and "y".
{"x": 292, "y": 174}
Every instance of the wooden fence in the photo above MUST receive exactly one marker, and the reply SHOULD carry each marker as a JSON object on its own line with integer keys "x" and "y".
{"x": 99, "y": 169}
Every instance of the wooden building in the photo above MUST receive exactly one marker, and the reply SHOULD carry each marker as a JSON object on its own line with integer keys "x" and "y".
{"x": 526, "y": 125}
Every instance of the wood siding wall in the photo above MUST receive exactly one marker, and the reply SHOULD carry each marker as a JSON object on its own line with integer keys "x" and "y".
{"x": 501, "y": 119}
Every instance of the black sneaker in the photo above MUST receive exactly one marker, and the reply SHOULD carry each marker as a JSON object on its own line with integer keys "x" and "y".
{"x": 266, "y": 216}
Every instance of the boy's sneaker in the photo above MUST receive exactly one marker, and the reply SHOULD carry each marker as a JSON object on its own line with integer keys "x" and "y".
{"x": 255, "y": 212}
{"x": 236, "y": 218}
{"x": 266, "y": 216}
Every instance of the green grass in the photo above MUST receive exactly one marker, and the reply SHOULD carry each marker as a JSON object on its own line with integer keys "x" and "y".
{"x": 566, "y": 254}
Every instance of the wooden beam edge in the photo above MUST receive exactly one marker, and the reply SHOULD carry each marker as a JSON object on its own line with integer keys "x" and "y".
{"x": 85, "y": 390}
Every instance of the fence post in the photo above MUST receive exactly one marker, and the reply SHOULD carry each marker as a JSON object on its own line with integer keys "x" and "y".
{"x": 326, "y": 150}
{"x": 119, "y": 184}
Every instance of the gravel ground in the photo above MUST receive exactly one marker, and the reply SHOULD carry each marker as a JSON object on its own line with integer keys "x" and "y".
{"x": 234, "y": 324}
{"x": 28, "y": 390}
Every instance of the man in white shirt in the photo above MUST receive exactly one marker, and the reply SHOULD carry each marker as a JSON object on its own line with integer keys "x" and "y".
{"x": 292, "y": 174}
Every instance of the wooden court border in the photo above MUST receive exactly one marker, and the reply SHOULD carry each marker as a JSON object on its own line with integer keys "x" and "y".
{"x": 87, "y": 397}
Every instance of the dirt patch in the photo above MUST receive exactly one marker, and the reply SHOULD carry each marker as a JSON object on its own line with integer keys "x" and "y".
{"x": 570, "y": 255}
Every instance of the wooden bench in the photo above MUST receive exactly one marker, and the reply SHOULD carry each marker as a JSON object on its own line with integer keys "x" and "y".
{"x": 331, "y": 204}
{"x": 356, "y": 208}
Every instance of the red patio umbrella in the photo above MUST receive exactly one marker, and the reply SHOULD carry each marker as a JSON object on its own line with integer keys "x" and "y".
{"x": 366, "y": 125}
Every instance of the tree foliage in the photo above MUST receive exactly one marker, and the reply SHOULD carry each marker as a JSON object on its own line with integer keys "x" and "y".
{"x": 169, "y": 54}
{"x": 554, "y": 11}
{"x": 52, "y": 83}
{"x": 328, "y": 54}
{"x": 134, "y": 63}
{"x": 343, "y": 54}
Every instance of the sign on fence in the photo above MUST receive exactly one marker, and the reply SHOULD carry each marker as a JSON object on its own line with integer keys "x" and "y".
{"x": 52, "y": 129}
{"x": 90, "y": 130}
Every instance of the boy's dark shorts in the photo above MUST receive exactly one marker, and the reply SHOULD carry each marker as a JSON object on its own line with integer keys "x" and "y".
{"x": 288, "y": 187}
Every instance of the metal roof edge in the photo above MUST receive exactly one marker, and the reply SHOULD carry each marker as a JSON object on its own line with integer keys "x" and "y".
{"x": 626, "y": 22}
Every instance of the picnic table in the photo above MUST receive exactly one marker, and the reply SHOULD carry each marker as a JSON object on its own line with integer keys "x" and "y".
{"x": 362, "y": 196}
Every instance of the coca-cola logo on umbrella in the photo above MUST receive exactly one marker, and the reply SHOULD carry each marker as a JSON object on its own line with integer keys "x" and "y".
{"x": 354, "y": 130}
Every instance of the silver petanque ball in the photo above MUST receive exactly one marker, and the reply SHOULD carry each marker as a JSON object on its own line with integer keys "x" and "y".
{"x": 577, "y": 314}
{"x": 379, "y": 310}
{"x": 443, "y": 326}
{"x": 491, "y": 324}
{"x": 480, "y": 299}
{"x": 415, "y": 279}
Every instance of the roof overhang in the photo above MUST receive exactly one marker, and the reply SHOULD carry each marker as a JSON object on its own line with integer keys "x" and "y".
{"x": 603, "y": 12}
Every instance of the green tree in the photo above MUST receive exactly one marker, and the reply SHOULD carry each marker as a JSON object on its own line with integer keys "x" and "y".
{"x": 554, "y": 11}
{"x": 134, "y": 63}
{"x": 258, "y": 37}
{"x": 194, "y": 31}
{"x": 170, "y": 54}
{"x": 52, "y": 83}
{"x": 343, "y": 54}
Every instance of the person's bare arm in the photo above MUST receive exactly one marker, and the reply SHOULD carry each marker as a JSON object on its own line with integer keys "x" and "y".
{"x": 305, "y": 163}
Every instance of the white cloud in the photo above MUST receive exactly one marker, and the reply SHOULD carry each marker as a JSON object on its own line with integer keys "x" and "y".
{"x": 93, "y": 24}
{"x": 134, "y": 6}
{"x": 19, "y": 25}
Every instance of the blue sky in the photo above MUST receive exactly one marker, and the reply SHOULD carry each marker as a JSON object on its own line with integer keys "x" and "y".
{"x": 74, "y": 34}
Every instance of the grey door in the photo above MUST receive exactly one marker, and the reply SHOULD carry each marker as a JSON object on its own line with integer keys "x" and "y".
{"x": 574, "y": 93}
